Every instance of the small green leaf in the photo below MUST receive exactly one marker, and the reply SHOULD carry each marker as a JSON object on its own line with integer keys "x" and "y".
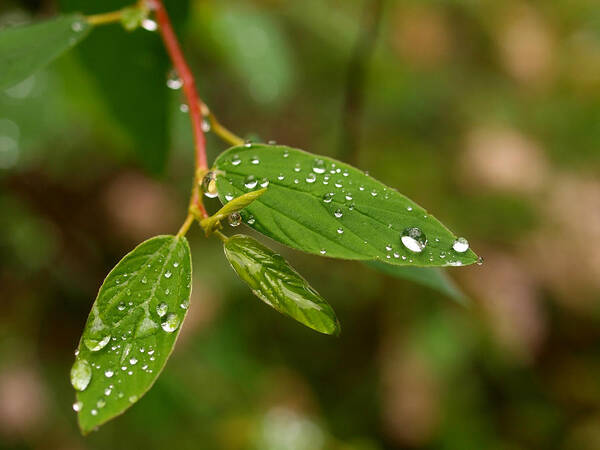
{"x": 432, "y": 277}
{"x": 277, "y": 284}
{"x": 323, "y": 206}
{"x": 26, "y": 49}
{"x": 131, "y": 329}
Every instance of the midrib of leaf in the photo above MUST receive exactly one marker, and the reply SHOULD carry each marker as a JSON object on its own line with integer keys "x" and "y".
{"x": 319, "y": 202}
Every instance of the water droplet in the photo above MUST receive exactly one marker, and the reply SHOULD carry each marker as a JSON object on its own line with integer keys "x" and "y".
{"x": 133, "y": 399}
{"x": 460, "y": 245}
{"x": 162, "y": 309}
{"x": 255, "y": 160}
{"x": 168, "y": 274}
{"x": 121, "y": 306}
{"x": 338, "y": 213}
{"x": 184, "y": 108}
{"x": 144, "y": 280}
{"x": 77, "y": 406}
{"x": 250, "y": 182}
{"x": 328, "y": 197}
{"x": 349, "y": 196}
{"x": 339, "y": 183}
{"x": 250, "y": 220}
{"x": 280, "y": 177}
{"x": 389, "y": 247}
{"x": 297, "y": 167}
{"x": 340, "y": 231}
{"x": 108, "y": 373}
{"x": 414, "y": 239}
{"x": 94, "y": 412}
{"x": 322, "y": 251}
{"x": 234, "y": 219}
{"x": 296, "y": 181}
{"x": 229, "y": 196}
{"x": 174, "y": 81}
{"x": 409, "y": 208}
{"x": 286, "y": 154}
{"x": 77, "y": 26}
{"x": 361, "y": 188}
{"x": 108, "y": 391}
{"x": 374, "y": 193}
{"x": 209, "y": 185}
{"x": 149, "y": 25}
{"x": 272, "y": 142}
{"x": 236, "y": 160}
{"x": 96, "y": 344}
{"x": 319, "y": 166}
{"x": 171, "y": 323}
{"x": 264, "y": 182}
{"x": 311, "y": 178}
{"x": 442, "y": 255}
{"x": 248, "y": 144}
{"x": 133, "y": 361}
{"x": 81, "y": 374}
{"x": 101, "y": 403}
{"x": 345, "y": 173}
{"x": 480, "y": 261}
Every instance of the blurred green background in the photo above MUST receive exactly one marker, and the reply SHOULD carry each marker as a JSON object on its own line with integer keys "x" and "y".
{"x": 486, "y": 112}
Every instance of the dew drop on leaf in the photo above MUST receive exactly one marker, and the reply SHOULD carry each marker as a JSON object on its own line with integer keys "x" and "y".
{"x": 209, "y": 185}
{"x": 255, "y": 160}
{"x": 328, "y": 197}
{"x": 162, "y": 309}
{"x": 234, "y": 219}
{"x": 250, "y": 182}
{"x": 108, "y": 373}
{"x": 414, "y": 239}
{"x": 319, "y": 166}
{"x": 338, "y": 213}
{"x": 311, "y": 178}
{"x": 171, "y": 323}
{"x": 168, "y": 274}
{"x": 96, "y": 344}
{"x": 236, "y": 160}
{"x": 264, "y": 182}
{"x": 174, "y": 81}
{"x": 81, "y": 374}
{"x": 460, "y": 245}
{"x": 77, "y": 406}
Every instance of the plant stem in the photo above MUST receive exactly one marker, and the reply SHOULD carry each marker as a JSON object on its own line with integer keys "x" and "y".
{"x": 189, "y": 89}
{"x": 101, "y": 19}
{"x": 186, "y": 225}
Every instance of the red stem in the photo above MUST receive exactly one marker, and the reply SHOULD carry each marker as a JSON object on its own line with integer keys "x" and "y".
{"x": 189, "y": 89}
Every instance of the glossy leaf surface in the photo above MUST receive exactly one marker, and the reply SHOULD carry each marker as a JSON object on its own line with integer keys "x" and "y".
{"x": 131, "y": 329}
{"x": 26, "y": 49}
{"x": 277, "y": 284}
{"x": 322, "y": 206}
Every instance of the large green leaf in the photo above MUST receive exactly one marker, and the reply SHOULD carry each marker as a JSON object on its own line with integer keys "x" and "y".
{"x": 131, "y": 329}
{"x": 322, "y": 206}
{"x": 129, "y": 71}
{"x": 432, "y": 277}
{"x": 277, "y": 284}
{"x": 26, "y": 49}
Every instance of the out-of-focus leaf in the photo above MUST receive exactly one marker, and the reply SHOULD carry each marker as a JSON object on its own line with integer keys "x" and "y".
{"x": 255, "y": 48}
{"x": 26, "y": 49}
{"x": 130, "y": 71}
{"x": 323, "y": 206}
{"x": 432, "y": 277}
{"x": 277, "y": 284}
{"x": 131, "y": 329}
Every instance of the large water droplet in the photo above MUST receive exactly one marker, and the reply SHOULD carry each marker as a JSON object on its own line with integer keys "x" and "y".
{"x": 250, "y": 182}
{"x": 311, "y": 178}
{"x": 414, "y": 239}
{"x": 234, "y": 219}
{"x": 162, "y": 309}
{"x": 81, "y": 374}
{"x": 460, "y": 245}
{"x": 171, "y": 323}
{"x": 96, "y": 344}
{"x": 209, "y": 185}
{"x": 174, "y": 81}
{"x": 319, "y": 166}
{"x": 328, "y": 197}
{"x": 149, "y": 25}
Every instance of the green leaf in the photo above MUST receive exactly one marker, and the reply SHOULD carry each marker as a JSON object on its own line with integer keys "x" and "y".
{"x": 129, "y": 71}
{"x": 322, "y": 206}
{"x": 277, "y": 284}
{"x": 131, "y": 329}
{"x": 432, "y": 277}
{"x": 26, "y": 49}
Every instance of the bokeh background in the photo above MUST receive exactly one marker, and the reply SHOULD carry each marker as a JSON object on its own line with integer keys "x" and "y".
{"x": 486, "y": 112}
